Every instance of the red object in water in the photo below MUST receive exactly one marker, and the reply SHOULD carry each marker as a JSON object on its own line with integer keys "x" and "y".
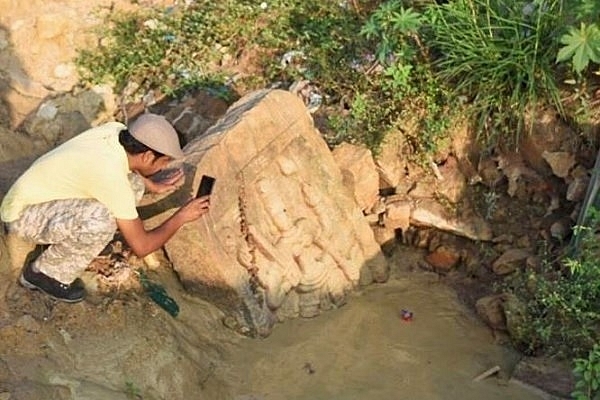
{"x": 406, "y": 315}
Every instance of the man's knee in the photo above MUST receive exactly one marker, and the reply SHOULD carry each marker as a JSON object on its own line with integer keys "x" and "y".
{"x": 93, "y": 222}
{"x": 102, "y": 226}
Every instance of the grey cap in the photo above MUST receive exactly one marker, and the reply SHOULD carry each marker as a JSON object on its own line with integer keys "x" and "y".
{"x": 157, "y": 133}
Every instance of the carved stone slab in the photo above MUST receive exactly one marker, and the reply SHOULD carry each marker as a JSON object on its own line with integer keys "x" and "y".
{"x": 284, "y": 237}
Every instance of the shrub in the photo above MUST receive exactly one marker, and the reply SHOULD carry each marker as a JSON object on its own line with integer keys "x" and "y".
{"x": 406, "y": 87}
{"x": 587, "y": 373}
{"x": 375, "y": 66}
{"x": 563, "y": 300}
{"x": 365, "y": 94}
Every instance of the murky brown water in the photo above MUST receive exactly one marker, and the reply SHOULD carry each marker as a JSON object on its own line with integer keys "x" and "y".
{"x": 365, "y": 350}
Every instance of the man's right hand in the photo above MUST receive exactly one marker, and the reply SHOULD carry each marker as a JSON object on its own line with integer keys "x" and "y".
{"x": 144, "y": 242}
{"x": 194, "y": 209}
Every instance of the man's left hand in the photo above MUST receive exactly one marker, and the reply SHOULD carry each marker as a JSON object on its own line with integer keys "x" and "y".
{"x": 168, "y": 183}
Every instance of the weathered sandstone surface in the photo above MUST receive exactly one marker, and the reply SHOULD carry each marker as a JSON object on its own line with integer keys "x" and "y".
{"x": 284, "y": 236}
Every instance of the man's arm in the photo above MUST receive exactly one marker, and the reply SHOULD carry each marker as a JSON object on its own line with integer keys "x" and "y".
{"x": 143, "y": 242}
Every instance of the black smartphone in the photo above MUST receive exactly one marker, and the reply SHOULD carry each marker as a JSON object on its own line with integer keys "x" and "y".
{"x": 206, "y": 186}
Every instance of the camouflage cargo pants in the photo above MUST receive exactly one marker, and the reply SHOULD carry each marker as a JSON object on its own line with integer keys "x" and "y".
{"x": 76, "y": 230}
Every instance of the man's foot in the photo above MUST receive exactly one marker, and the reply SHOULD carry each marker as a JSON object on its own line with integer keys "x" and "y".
{"x": 71, "y": 293}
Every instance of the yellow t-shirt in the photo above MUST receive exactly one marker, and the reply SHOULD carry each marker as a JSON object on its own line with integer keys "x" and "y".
{"x": 92, "y": 165}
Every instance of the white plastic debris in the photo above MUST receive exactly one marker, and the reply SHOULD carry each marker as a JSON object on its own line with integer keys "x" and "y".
{"x": 314, "y": 102}
{"x": 289, "y": 57}
{"x": 151, "y": 24}
{"x": 47, "y": 111}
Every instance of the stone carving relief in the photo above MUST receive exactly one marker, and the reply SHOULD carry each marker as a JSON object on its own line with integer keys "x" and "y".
{"x": 284, "y": 238}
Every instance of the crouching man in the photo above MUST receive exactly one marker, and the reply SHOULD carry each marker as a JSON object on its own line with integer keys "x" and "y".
{"x": 74, "y": 198}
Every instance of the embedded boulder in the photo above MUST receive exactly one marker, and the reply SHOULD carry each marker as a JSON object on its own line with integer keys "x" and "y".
{"x": 359, "y": 173}
{"x": 283, "y": 238}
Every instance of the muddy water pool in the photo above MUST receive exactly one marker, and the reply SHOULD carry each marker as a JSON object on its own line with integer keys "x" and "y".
{"x": 366, "y": 350}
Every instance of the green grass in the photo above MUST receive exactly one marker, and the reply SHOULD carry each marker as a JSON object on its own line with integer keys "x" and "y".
{"x": 499, "y": 55}
{"x": 375, "y": 67}
{"x": 166, "y": 49}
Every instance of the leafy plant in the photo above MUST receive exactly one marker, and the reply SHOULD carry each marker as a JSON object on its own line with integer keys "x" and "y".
{"x": 587, "y": 10}
{"x": 422, "y": 61}
{"x": 132, "y": 391}
{"x": 580, "y": 47}
{"x": 364, "y": 121}
{"x": 406, "y": 86}
{"x": 587, "y": 372}
{"x": 389, "y": 26}
{"x": 580, "y": 50}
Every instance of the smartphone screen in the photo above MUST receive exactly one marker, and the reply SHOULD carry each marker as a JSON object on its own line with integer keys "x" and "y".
{"x": 206, "y": 186}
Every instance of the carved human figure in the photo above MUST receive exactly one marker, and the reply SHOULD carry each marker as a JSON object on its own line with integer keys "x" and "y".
{"x": 273, "y": 270}
{"x": 315, "y": 201}
{"x": 316, "y": 265}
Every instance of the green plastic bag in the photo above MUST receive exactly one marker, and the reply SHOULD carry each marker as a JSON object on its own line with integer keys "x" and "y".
{"x": 158, "y": 294}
